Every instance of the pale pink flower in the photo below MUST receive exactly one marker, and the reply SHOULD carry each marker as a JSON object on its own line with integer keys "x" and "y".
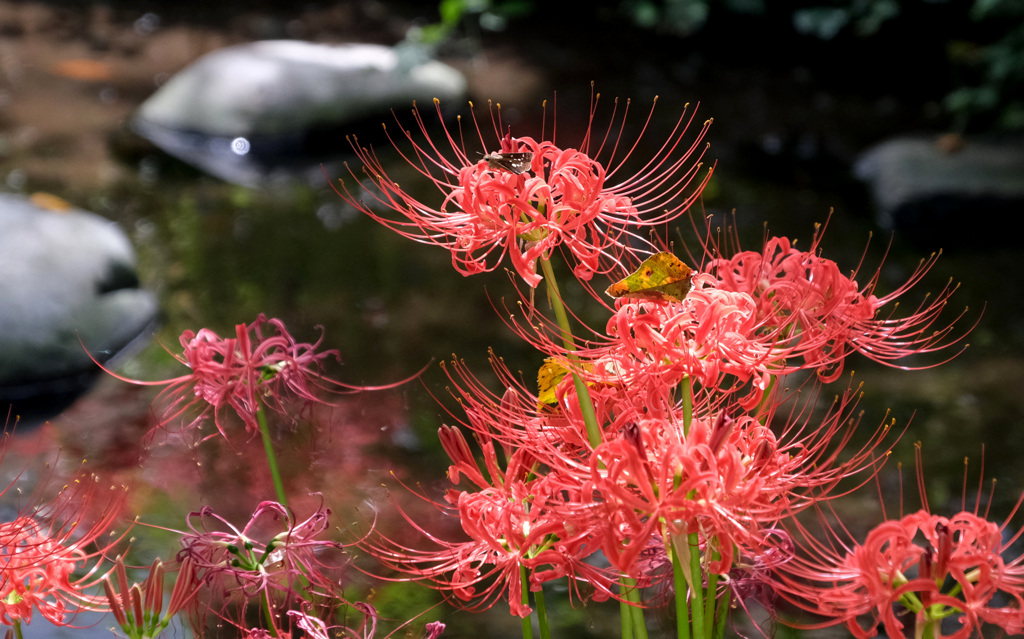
{"x": 261, "y": 366}
{"x": 252, "y": 562}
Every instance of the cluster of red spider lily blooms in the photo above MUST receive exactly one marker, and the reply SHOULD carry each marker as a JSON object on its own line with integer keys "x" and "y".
{"x": 660, "y": 454}
{"x": 665, "y": 450}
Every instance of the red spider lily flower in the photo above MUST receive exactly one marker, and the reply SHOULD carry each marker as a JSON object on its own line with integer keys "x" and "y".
{"x": 563, "y": 200}
{"x": 290, "y": 564}
{"x": 728, "y": 480}
{"x": 139, "y": 609}
{"x": 711, "y": 338}
{"x": 929, "y": 566}
{"x": 825, "y": 313}
{"x": 517, "y": 523}
{"x": 512, "y": 420}
{"x": 49, "y": 560}
{"x": 263, "y": 365}
{"x": 945, "y": 576}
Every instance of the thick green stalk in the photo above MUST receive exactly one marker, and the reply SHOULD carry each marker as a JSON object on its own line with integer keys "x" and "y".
{"x": 682, "y": 592}
{"x": 639, "y": 625}
{"x": 686, "y": 390}
{"x": 268, "y": 612}
{"x": 710, "y": 598}
{"x": 542, "y": 614}
{"x": 524, "y": 583}
{"x": 721, "y": 614}
{"x": 633, "y": 610}
{"x": 928, "y": 632}
{"x": 711, "y": 595}
{"x": 582, "y": 392}
{"x": 625, "y": 619}
{"x": 696, "y": 576}
{"x": 268, "y": 447}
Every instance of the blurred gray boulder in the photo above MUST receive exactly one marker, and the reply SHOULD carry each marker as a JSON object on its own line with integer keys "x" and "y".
{"x": 240, "y": 111}
{"x": 948, "y": 191}
{"x": 68, "y": 290}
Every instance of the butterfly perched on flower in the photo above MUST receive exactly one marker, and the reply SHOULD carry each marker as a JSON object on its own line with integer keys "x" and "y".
{"x": 517, "y": 163}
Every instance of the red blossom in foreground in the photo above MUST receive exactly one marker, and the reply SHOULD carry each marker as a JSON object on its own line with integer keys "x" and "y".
{"x": 565, "y": 199}
{"x": 729, "y": 481}
{"x": 748, "y": 321}
{"x": 517, "y": 523}
{"x": 711, "y": 338}
{"x": 922, "y": 573}
{"x": 811, "y": 310}
{"x": 49, "y": 559}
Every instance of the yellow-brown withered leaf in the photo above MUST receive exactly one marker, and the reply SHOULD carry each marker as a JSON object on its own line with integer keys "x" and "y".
{"x": 549, "y": 377}
{"x": 661, "y": 277}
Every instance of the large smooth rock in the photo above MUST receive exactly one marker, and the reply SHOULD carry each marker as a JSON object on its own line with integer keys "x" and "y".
{"x": 238, "y": 111}
{"x": 68, "y": 291}
{"x": 946, "y": 192}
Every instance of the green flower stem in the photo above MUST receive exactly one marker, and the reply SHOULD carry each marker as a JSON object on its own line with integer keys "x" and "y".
{"x": 632, "y": 610}
{"x": 710, "y": 600}
{"x": 268, "y": 447}
{"x": 17, "y": 629}
{"x": 686, "y": 392}
{"x": 542, "y": 614}
{"x": 697, "y": 605}
{"x": 723, "y": 610}
{"x": 582, "y": 392}
{"x": 625, "y": 618}
{"x": 682, "y": 591}
{"x": 524, "y": 584}
{"x": 639, "y": 626}
{"x": 269, "y": 613}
